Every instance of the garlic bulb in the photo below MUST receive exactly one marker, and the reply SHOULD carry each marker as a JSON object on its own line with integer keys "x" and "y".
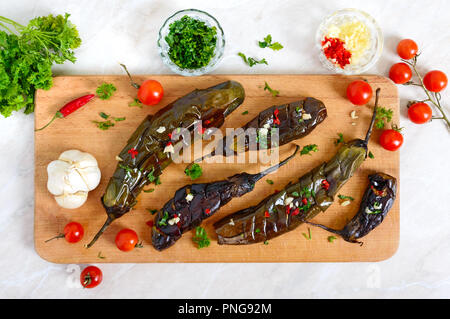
{"x": 71, "y": 177}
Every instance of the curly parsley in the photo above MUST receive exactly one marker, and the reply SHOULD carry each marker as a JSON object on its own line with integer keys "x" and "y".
{"x": 194, "y": 171}
{"x": 105, "y": 91}
{"x": 307, "y": 149}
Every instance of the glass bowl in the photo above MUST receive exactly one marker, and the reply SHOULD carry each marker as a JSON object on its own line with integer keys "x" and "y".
{"x": 210, "y": 21}
{"x": 371, "y": 55}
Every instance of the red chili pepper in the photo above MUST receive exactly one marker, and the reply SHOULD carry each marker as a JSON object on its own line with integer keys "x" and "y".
{"x": 207, "y": 122}
{"x": 69, "y": 108}
{"x": 334, "y": 49}
{"x": 325, "y": 184}
{"x": 266, "y": 214}
{"x": 295, "y": 212}
{"x": 288, "y": 210}
{"x": 304, "y": 201}
{"x": 207, "y": 211}
{"x": 170, "y": 135}
{"x": 133, "y": 152}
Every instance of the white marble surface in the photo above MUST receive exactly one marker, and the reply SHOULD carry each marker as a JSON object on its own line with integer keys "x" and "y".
{"x": 119, "y": 30}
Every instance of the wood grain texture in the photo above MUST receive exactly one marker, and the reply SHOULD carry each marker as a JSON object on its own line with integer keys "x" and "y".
{"x": 78, "y": 132}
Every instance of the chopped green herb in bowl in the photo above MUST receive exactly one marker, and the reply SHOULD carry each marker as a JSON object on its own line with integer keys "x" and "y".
{"x": 191, "y": 42}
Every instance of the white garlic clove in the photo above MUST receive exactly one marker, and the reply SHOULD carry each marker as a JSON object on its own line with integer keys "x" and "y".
{"x": 78, "y": 158}
{"x": 57, "y": 171}
{"x": 71, "y": 201}
{"x": 91, "y": 176}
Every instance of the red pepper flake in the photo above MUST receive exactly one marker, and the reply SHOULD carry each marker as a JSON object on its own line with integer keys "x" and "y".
{"x": 169, "y": 143}
{"x": 288, "y": 210}
{"x": 207, "y": 211}
{"x": 207, "y": 122}
{"x": 325, "y": 184}
{"x": 304, "y": 201}
{"x": 170, "y": 135}
{"x": 334, "y": 50}
{"x": 150, "y": 223}
{"x": 275, "y": 114}
{"x": 266, "y": 214}
{"x": 276, "y": 191}
{"x": 295, "y": 212}
{"x": 376, "y": 191}
{"x": 133, "y": 152}
{"x": 201, "y": 130}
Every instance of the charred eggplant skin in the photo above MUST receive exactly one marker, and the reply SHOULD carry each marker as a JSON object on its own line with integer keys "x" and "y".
{"x": 292, "y": 124}
{"x": 210, "y": 106}
{"x": 285, "y": 210}
{"x": 196, "y": 202}
{"x": 375, "y": 205}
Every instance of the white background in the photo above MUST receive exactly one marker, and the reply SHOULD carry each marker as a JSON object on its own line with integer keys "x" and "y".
{"x": 126, "y": 31}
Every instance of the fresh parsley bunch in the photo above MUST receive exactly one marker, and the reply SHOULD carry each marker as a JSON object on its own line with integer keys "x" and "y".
{"x": 27, "y": 54}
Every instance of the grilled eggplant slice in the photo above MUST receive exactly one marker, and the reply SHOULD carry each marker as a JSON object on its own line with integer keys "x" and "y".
{"x": 196, "y": 202}
{"x": 312, "y": 194}
{"x": 376, "y": 203}
{"x": 133, "y": 172}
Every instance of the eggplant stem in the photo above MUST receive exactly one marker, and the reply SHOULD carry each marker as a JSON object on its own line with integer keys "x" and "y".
{"x": 258, "y": 176}
{"x": 331, "y": 230}
{"x": 374, "y": 115}
{"x": 100, "y": 232}
{"x": 133, "y": 84}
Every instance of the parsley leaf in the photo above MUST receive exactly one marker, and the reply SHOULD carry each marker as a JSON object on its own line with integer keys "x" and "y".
{"x": 308, "y": 237}
{"x": 105, "y": 91}
{"x": 26, "y": 58}
{"x": 307, "y": 149}
{"x": 274, "y": 93}
{"x": 331, "y": 239}
{"x": 340, "y": 139}
{"x": 201, "y": 237}
{"x": 136, "y": 102}
{"x": 269, "y": 181}
{"x": 104, "y": 115}
{"x": 245, "y": 113}
{"x": 343, "y": 197}
{"x": 382, "y": 115}
{"x": 104, "y": 125}
{"x": 163, "y": 220}
{"x": 194, "y": 171}
{"x": 371, "y": 155}
{"x": 267, "y": 43}
{"x": 152, "y": 211}
{"x": 252, "y": 61}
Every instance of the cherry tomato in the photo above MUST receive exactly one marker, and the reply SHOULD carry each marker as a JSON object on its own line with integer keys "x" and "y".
{"x": 407, "y": 49}
{"x": 126, "y": 239}
{"x": 359, "y": 92}
{"x": 91, "y": 277}
{"x": 391, "y": 140}
{"x": 400, "y": 73}
{"x": 435, "y": 81}
{"x": 73, "y": 232}
{"x": 150, "y": 92}
{"x": 419, "y": 113}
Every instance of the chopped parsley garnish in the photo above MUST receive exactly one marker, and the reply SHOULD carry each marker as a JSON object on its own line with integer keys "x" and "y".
{"x": 104, "y": 125}
{"x": 152, "y": 211}
{"x": 136, "y": 102}
{"x": 194, "y": 171}
{"x": 269, "y": 181}
{"x": 201, "y": 237}
{"x": 103, "y": 115}
{"x": 308, "y": 237}
{"x": 257, "y": 230}
{"x": 150, "y": 190}
{"x": 105, "y": 91}
{"x": 158, "y": 181}
{"x": 100, "y": 255}
{"x": 191, "y": 43}
{"x": 267, "y": 43}
{"x": 274, "y": 93}
{"x": 295, "y": 194}
{"x": 371, "y": 155}
{"x": 331, "y": 239}
{"x": 266, "y": 242}
{"x": 343, "y": 197}
{"x": 340, "y": 139}
{"x": 119, "y": 119}
{"x": 382, "y": 115}
{"x": 163, "y": 220}
{"x": 150, "y": 176}
{"x": 126, "y": 168}
{"x": 245, "y": 113}
{"x": 306, "y": 150}
{"x": 251, "y": 61}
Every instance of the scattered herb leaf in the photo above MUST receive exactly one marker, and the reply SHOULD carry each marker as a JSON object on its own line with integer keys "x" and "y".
{"x": 331, "y": 239}
{"x": 103, "y": 115}
{"x": 257, "y": 230}
{"x": 105, "y": 91}
{"x": 150, "y": 190}
{"x": 340, "y": 139}
{"x": 371, "y": 155}
{"x": 100, "y": 255}
{"x": 118, "y": 119}
{"x": 194, "y": 171}
{"x": 267, "y": 43}
{"x": 266, "y": 242}
{"x": 308, "y": 237}
{"x": 251, "y": 61}
{"x": 306, "y": 150}
{"x": 245, "y": 113}
{"x": 295, "y": 194}
{"x": 163, "y": 220}
{"x": 269, "y": 181}
{"x": 201, "y": 237}
{"x": 137, "y": 103}
{"x": 152, "y": 211}
{"x": 103, "y": 125}
{"x": 382, "y": 115}
{"x": 274, "y": 93}
{"x": 343, "y": 197}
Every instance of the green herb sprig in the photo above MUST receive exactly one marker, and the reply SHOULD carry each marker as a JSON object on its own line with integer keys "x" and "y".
{"x": 267, "y": 43}
{"x": 194, "y": 171}
{"x": 252, "y": 61}
{"x": 105, "y": 91}
{"x": 307, "y": 149}
{"x": 383, "y": 115}
{"x": 201, "y": 237}
{"x": 274, "y": 93}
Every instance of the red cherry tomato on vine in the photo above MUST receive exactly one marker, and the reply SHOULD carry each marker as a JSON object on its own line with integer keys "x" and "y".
{"x": 359, "y": 92}
{"x": 391, "y": 139}
{"x": 400, "y": 73}
{"x": 91, "y": 277}
{"x": 407, "y": 49}
{"x": 419, "y": 113}
{"x": 435, "y": 81}
{"x": 126, "y": 239}
{"x": 150, "y": 92}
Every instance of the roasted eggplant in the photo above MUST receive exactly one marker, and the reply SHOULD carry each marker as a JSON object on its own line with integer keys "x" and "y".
{"x": 293, "y": 121}
{"x": 192, "y": 204}
{"x": 311, "y": 194}
{"x": 143, "y": 159}
{"x": 376, "y": 203}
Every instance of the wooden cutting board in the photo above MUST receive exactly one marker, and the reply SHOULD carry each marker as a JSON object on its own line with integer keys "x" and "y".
{"x": 78, "y": 132}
